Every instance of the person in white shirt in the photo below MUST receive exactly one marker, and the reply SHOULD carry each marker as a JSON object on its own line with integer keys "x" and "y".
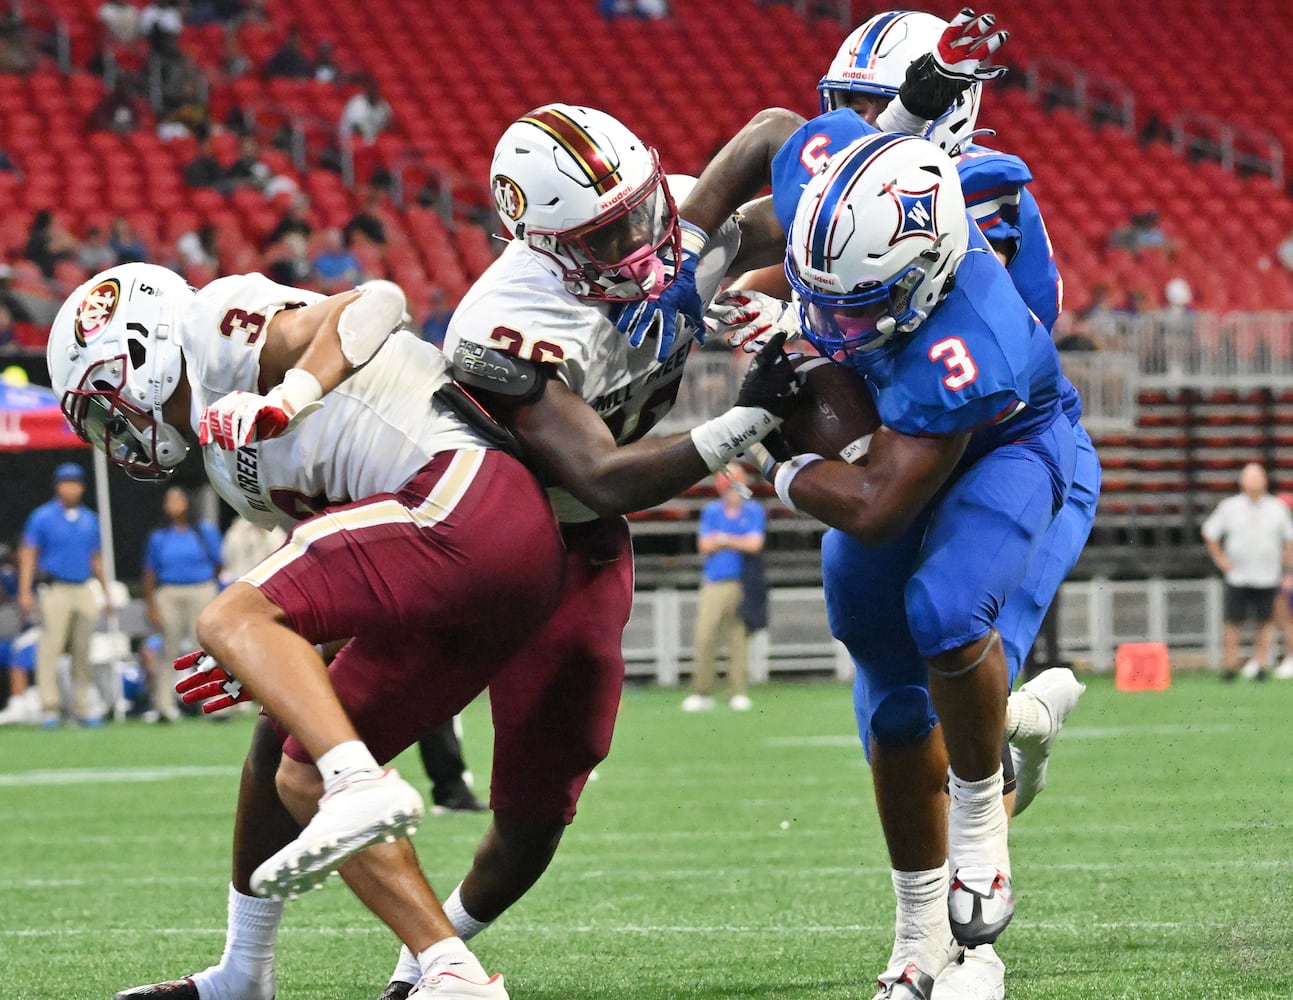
{"x": 1250, "y": 540}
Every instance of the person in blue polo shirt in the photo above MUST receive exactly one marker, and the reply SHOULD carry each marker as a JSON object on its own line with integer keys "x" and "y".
{"x": 181, "y": 566}
{"x": 60, "y": 551}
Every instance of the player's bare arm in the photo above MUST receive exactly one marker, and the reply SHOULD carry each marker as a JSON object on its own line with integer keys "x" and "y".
{"x": 876, "y": 501}
{"x": 740, "y": 171}
{"x": 763, "y": 241}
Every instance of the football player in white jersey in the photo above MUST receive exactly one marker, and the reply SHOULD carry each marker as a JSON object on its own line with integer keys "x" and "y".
{"x": 535, "y": 342}
{"x": 405, "y": 558}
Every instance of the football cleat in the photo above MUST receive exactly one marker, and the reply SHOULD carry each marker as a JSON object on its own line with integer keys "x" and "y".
{"x": 397, "y": 991}
{"x": 356, "y": 814}
{"x": 444, "y": 985}
{"x": 174, "y": 989}
{"x": 1040, "y": 708}
{"x": 904, "y": 982}
{"x": 977, "y": 974}
{"x": 980, "y": 904}
{"x": 1284, "y": 672}
{"x": 697, "y": 703}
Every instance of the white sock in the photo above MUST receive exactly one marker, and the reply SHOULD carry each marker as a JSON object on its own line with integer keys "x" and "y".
{"x": 921, "y": 929}
{"x": 407, "y": 969}
{"x": 246, "y": 969}
{"x": 463, "y": 922}
{"x": 976, "y": 823}
{"x": 451, "y": 955}
{"x": 345, "y": 761}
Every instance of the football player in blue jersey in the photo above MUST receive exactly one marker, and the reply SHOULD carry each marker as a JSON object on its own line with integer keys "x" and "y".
{"x": 940, "y": 529}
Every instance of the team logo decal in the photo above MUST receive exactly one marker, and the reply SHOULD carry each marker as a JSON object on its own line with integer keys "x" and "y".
{"x": 916, "y": 211}
{"x": 509, "y": 199}
{"x": 95, "y": 311}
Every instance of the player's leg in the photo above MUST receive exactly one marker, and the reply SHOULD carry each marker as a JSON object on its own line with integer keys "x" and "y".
{"x": 554, "y": 706}
{"x": 441, "y": 753}
{"x": 1035, "y": 713}
{"x": 999, "y": 511}
{"x": 896, "y": 722}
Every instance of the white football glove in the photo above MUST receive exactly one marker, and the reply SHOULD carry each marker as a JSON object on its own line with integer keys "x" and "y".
{"x": 242, "y": 417}
{"x": 749, "y": 319}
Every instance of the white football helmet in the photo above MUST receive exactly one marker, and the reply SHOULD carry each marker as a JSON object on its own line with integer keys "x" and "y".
{"x": 876, "y": 240}
{"x": 589, "y": 197}
{"x": 114, "y": 360}
{"x": 874, "y": 60}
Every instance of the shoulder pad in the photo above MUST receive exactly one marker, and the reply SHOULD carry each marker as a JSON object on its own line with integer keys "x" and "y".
{"x": 491, "y": 370}
{"x": 983, "y": 170}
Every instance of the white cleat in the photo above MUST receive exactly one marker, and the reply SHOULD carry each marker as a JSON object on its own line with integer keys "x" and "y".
{"x": 445, "y": 985}
{"x": 1038, "y": 710}
{"x": 697, "y": 703}
{"x": 980, "y": 904}
{"x": 1284, "y": 672}
{"x": 356, "y": 814}
{"x": 977, "y": 974}
{"x": 740, "y": 703}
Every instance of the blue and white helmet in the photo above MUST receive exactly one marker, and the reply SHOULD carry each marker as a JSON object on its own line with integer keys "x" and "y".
{"x": 874, "y": 60}
{"x": 876, "y": 239}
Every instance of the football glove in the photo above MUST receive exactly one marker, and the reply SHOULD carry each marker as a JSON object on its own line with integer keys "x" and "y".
{"x": 749, "y": 319}
{"x": 242, "y": 417}
{"x": 770, "y": 382}
{"x": 935, "y": 80}
{"x": 210, "y": 685}
{"x": 658, "y": 317}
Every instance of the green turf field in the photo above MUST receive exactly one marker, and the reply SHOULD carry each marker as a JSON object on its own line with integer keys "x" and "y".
{"x": 1156, "y": 865}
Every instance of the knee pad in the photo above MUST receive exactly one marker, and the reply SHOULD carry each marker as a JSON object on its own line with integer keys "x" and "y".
{"x": 905, "y": 716}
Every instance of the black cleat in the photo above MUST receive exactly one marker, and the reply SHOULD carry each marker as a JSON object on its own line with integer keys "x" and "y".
{"x": 175, "y": 989}
{"x": 458, "y": 800}
{"x": 396, "y": 991}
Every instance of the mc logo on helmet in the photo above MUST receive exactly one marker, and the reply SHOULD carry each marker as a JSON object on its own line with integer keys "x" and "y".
{"x": 96, "y": 310}
{"x": 509, "y": 199}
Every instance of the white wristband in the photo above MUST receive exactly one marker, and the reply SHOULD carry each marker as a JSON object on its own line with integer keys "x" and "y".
{"x": 298, "y": 390}
{"x": 720, "y": 440}
{"x": 694, "y": 239}
{"x": 786, "y": 473}
{"x": 896, "y": 118}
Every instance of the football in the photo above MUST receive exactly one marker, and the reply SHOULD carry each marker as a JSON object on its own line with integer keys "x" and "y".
{"x": 837, "y": 417}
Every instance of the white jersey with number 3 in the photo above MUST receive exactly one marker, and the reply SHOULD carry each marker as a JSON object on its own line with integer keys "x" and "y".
{"x": 375, "y": 430}
{"x": 520, "y": 307}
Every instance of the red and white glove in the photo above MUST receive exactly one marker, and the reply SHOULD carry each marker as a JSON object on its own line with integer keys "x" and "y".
{"x": 242, "y": 417}
{"x": 937, "y": 79}
{"x": 210, "y": 685}
{"x": 749, "y": 319}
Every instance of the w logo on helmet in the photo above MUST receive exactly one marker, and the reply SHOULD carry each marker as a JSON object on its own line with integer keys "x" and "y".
{"x": 916, "y": 212}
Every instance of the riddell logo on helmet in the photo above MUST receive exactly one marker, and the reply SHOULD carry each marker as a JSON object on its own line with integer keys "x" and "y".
{"x": 95, "y": 311}
{"x": 509, "y": 199}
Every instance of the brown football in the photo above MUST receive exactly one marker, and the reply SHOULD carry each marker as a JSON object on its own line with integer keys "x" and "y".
{"x": 837, "y": 417}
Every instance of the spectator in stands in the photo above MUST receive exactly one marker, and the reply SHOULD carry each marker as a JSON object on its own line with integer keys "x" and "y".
{"x": 366, "y": 114}
{"x": 48, "y": 242}
{"x": 235, "y": 62}
{"x": 7, "y": 165}
{"x": 125, "y": 241}
{"x": 295, "y": 219}
{"x": 289, "y": 261}
{"x": 181, "y": 565}
{"x": 334, "y": 265}
{"x": 17, "y": 51}
{"x": 367, "y": 224}
{"x": 60, "y": 553}
{"x": 290, "y": 59}
{"x": 198, "y": 248}
{"x": 10, "y": 298}
{"x": 731, "y": 528}
{"x": 120, "y": 21}
{"x": 119, "y": 110}
{"x": 1250, "y": 540}
{"x": 95, "y": 253}
{"x": 161, "y": 22}
{"x": 1142, "y": 232}
{"x": 325, "y": 64}
{"x": 205, "y": 169}
{"x": 436, "y": 324}
{"x": 249, "y": 169}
